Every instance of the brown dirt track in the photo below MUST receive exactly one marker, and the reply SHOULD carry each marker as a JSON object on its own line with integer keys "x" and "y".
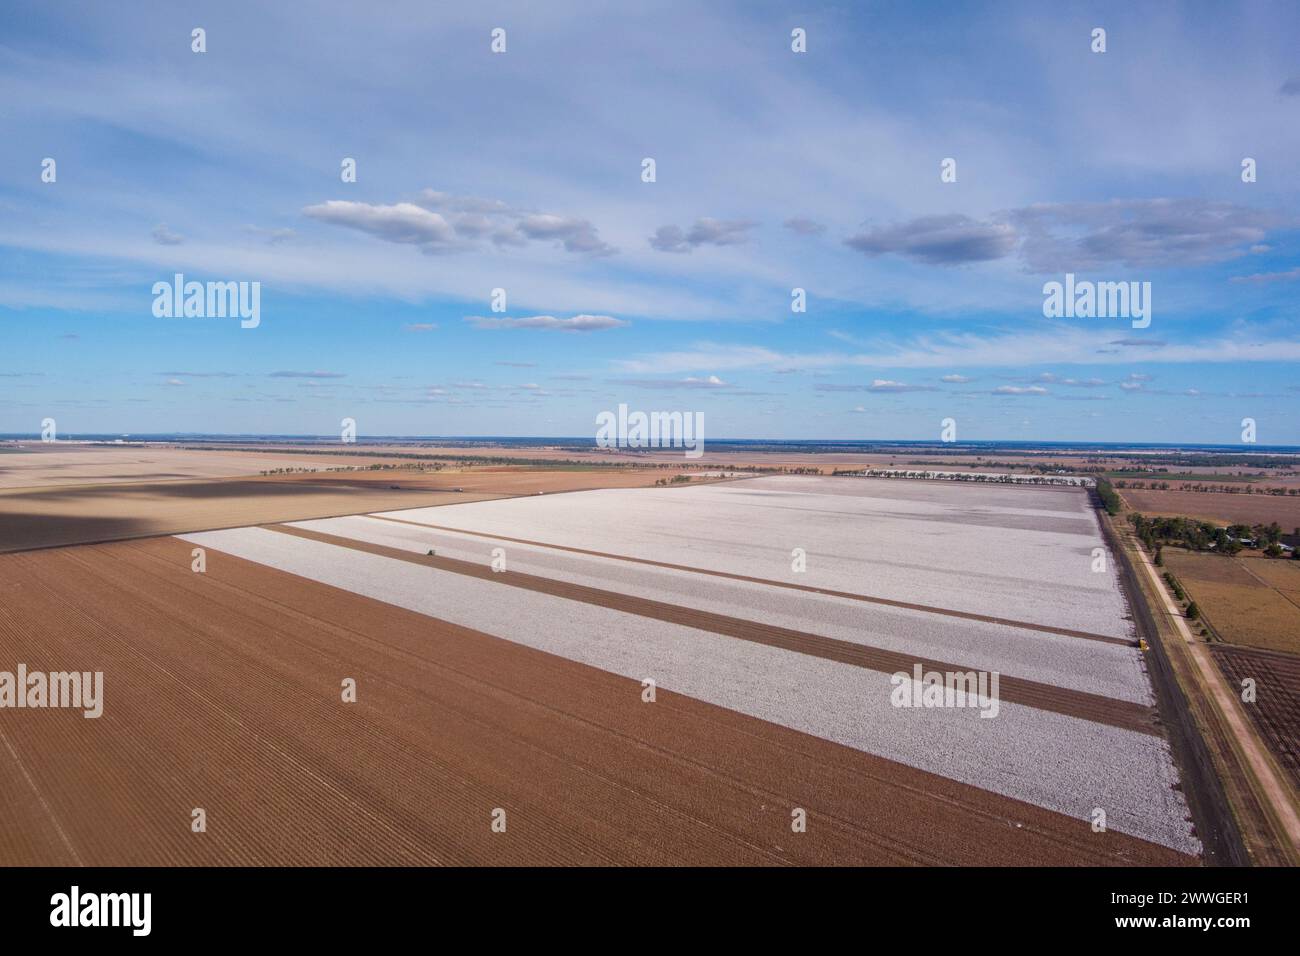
{"x": 222, "y": 691}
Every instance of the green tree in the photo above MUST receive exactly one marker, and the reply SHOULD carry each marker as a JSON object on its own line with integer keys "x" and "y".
{"x": 1109, "y": 499}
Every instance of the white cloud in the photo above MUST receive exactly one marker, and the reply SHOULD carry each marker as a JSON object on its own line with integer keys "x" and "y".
{"x": 576, "y": 235}
{"x": 691, "y": 381}
{"x": 1020, "y": 390}
{"x": 1290, "y": 275}
{"x": 402, "y": 222}
{"x": 506, "y": 225}
{"x": 1138, "y": 233}
{"x": 887, "y": 385}
{"x": 938, "y": 240}
{"x": 272, "y": 236}
{"x": 576, "y": 323}
{"x": 165, "y": 237}
{"x": 706, "y": 231}
{"x": 803, "y": 226}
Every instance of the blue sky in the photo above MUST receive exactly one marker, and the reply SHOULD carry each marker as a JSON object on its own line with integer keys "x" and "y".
{"x": 774, "y": 170}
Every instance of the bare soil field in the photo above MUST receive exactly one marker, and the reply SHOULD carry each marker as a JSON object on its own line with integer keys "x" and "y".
{"x": 39, "y": 465}
{"x": 1281, "y": 575}
{"x": 1213, "y": 506}
{"x": 35, "y": 464}
{"x": 1236, "y": 598}
{"x": 1276, "y": 710}
{"x": 92, "y": 513}
{"x": 222, "y": 692}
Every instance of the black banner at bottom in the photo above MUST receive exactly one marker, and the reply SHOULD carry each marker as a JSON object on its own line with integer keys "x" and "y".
{"x": 334, "y": 905}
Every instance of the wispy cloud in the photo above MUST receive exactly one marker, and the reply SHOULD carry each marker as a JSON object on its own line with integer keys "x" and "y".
{"x": 574, "y": 323}
{"x": 712, "y": 232}
{"x": 401, "y": 222}
{"x": 1139, "y": 343}
{"x": 1052, "y": 378}
{"x": 938, "y": 240}
{"x": 471, "y": 219}
{"x": 1137, "y": 233}
{"x": 887, "y": 385}
{"x": 803, "y": 226}
{"x": 1078, "y": 236}
{"x": 1019, "y": 390}
{"x": 165, "y": 237}
{"x": 1003, "y": 349}
{"x": 877, "y": 385}
{"x": 272, "y": 237}
{"x": 707, "y": 382}
{"x": 1290, "y": 275}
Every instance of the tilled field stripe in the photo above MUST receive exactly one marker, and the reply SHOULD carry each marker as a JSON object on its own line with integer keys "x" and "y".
{"x": 867, "y": 599}
{"x": 45, "y": 804}
{"x": 1073, "y": 703}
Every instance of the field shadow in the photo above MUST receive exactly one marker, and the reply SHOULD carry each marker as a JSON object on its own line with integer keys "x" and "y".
{"x": 23, "y": 531}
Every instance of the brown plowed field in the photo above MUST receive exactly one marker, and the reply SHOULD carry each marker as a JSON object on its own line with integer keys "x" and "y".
{"x": 1276, "y": 710}
{"x": 49, "y": 517}
{"x": 1216, "y": 506}
{"x": 222, "y": 691}
{"x": 36, "y": 464}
